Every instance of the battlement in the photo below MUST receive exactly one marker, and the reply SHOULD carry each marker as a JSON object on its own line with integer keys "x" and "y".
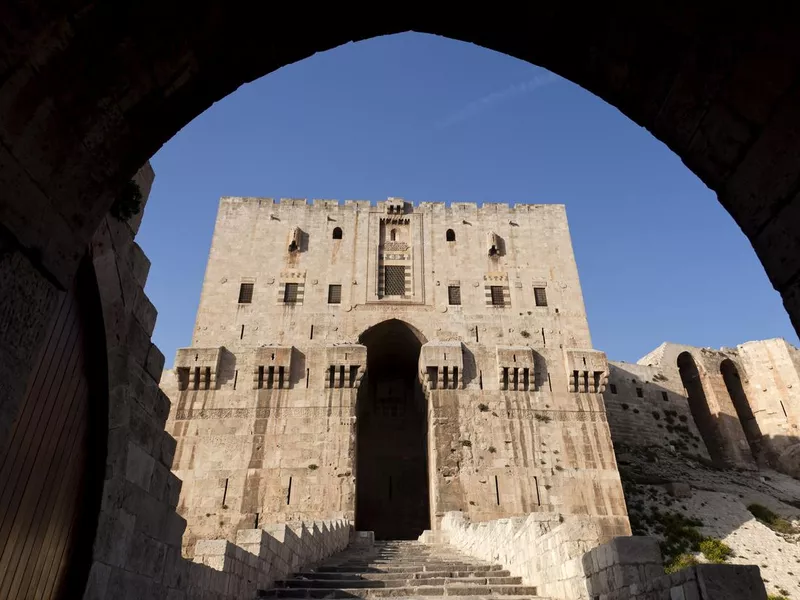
{"x": 464, "y": 208}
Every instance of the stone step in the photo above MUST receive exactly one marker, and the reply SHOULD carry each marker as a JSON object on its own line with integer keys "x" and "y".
{"x": 395, "y": 583}
{"x": 423, "y": 590}
{"x": 392, "y": 568}
{"x": 401, "y": 575}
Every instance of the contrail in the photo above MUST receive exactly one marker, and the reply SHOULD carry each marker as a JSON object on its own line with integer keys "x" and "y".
{"x": 477, "y": 106}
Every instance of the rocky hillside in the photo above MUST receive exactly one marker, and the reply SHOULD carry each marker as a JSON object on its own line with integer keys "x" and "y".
{"x": 705, "y": 514}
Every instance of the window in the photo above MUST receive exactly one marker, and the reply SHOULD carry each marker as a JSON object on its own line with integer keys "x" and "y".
{"x": 335, "y": 293}
{"x": 613, "y": 388}
{"x": 290, "y": 293}
{"x": 450, "y": 236}
{"x": 395, "y": 280}
{"x": 454, "y": 295}
{"x": 664, "y": 396}
{"x": 540, "y": 295}
{"x": 393, "y": 235}
{"x": 337, "y": 233}
{"x": 639, "y": 392}
{"x": 245, "y": 293}
{"x": 497, "y": 295}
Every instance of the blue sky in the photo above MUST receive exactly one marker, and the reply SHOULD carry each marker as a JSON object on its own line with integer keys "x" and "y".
{"x": 431, "y": 119}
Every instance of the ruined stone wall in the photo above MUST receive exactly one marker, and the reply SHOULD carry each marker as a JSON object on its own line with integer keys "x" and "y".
{"x": 759, "y": 422}
{"x": 772, "y": 385}
{"x": 646, "y": 406}
{"x": 249, "y": 454}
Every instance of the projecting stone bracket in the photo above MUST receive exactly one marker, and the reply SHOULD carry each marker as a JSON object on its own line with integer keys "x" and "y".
{"x": 346, "y": 365}
{"x": 587, "y": 370}
{"x": 197, "y": 368}
{"x": 516, "y": 369}
{"x": 272, "y": 367}
{"x": 441, "y": 365}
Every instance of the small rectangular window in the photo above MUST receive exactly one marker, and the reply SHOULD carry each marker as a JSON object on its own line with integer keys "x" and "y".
{"x": 290, "y": 293}
{"x": 664, "y": 396}
{"x": 335, "y": 293}
{"x": 639, "y": 392}
{"x": 245, "y": 293}
{"x": 454, "y": 295}
{"x": 497, "y": 295}
{"x": 613, "y": 388}
{"x": 540, "y": 296}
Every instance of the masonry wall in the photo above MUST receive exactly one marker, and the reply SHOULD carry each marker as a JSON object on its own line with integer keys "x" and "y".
{"x": 763, "y": 428}
{"x": 248, "y": 454}
{"x": 647, "y": 407}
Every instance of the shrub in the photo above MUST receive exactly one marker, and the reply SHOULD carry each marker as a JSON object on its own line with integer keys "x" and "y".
{"x": 482, "y": 407}
{"x": 771, "y": 520}
{"x": 312, "y": 467}
{"x": 625, "y": 406}
{"x": 715, "y": 551}
{"x": 777, "y": 597}
{"x": 492, "y": 449}
{"x": 128, "y": 202}
{"x": 681, "y": 561}
{"x": 525, "y": 334}
{"x": 542, "y": 418}
{"x": 466, "y": 443}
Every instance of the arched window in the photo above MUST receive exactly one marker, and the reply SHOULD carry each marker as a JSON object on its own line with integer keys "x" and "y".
{"x": 393, "y": 235}
{"x": 337, "y": 233}
{"x": 450, "y": 235}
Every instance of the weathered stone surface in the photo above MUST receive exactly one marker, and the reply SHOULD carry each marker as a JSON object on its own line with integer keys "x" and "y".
{"x": 266, "y": 404}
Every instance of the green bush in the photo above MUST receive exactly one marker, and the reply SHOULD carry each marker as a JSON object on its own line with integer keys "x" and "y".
{"x": 680, "y": 562}
{"x": 771, "y": 520}
{"x": 128, "y": 202}
{"x": 777, "y": 597}
{"x": 715, "y": 550}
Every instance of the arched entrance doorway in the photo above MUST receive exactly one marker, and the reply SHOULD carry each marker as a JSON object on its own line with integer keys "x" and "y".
{"x": 698, "y": 403}
{"x": 391, "y": 438}
{"x": 733, "y": 383}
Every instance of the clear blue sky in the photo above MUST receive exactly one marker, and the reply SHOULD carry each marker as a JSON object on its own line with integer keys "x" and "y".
{"x": 432, "y": 119}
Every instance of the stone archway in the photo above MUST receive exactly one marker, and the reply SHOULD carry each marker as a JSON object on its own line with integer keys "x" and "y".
{"x": 733, "y": 383}
{"x": 392, "y": 483}
{"x": 698, "y": 404}
{"x": 720, "y": 93}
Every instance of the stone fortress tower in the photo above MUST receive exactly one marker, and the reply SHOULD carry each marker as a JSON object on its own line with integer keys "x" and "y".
{"x": 388, "y": 364}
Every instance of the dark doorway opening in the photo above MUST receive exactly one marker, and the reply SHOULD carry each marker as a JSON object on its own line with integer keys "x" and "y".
{"x": 698, "y": 404}
{"x": 733, "y": 383}
{"x": 392, "y": 431}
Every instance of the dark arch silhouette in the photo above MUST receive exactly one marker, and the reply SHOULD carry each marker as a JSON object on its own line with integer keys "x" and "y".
{"x": 391, "y": 435}
{"x": 450, "y": 236}
{"x": 733, "y": 383}
{"x": 337, "y": 233}
{"x": 698, "y": 404}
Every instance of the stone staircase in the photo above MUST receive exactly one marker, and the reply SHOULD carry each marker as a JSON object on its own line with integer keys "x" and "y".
{"x": 402, "y": 569}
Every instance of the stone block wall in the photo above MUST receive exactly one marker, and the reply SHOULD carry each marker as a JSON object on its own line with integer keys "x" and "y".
{"x": 631, "y": 568}
{"x": 646, "y": 407}
{"x": 510, "y": 429}
{"x": 223, "y": 570}
{"x": 574, "y": 558}
{"x": 546, "y": 550}
{"x": 746, "y": 408}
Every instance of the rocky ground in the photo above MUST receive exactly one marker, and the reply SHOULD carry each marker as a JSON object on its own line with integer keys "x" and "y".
{"x": 685, "y": 493}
